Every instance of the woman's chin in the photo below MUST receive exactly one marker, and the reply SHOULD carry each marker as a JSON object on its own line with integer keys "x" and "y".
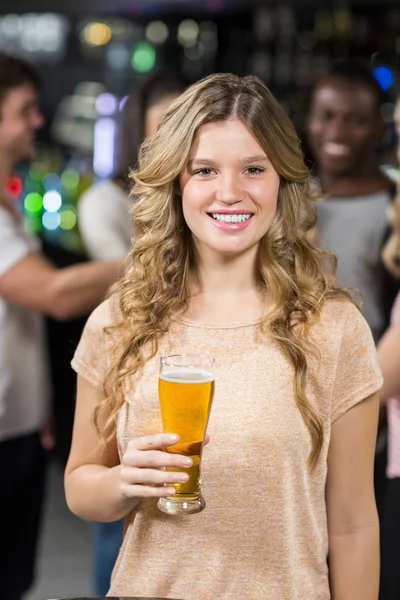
{"x": 230, "y": 250}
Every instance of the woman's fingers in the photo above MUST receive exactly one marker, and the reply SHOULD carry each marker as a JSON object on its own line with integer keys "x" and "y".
{"x": 156, "y": 459}
{"x": 154, "y": 442}
{"x": 143, "y": 491}
{"x": 144, "y": 464}
{"x": 134, "y": 476}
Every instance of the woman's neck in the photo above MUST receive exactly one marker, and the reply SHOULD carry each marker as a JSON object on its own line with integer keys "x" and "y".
{"x": 226, "y": 289}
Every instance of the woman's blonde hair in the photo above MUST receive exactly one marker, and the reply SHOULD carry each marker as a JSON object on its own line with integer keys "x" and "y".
{"x": 161, "y": 264}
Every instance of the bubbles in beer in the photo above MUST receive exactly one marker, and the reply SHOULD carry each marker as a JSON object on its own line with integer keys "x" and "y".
{"x": 186, "y": 375}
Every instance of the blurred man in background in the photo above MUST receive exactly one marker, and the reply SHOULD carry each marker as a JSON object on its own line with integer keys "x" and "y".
{"x": 344, "y": 126}
{"x": 30, "y": 287}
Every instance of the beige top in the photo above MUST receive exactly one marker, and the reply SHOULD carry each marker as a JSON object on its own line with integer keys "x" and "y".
{"x": 263, "y": 534}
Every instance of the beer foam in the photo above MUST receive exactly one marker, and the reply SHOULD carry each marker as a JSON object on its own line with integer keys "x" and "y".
{"x": 186, "y": 376}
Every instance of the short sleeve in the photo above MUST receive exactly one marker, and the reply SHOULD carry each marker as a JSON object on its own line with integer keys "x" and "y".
{"x": 90, "y": 358}
{"x": 104, "y": 223}
{"x": 357, "y": 372}
{"x": 14, "y": 245}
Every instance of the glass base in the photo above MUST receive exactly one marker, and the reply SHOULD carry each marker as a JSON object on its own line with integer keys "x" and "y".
{"x": 181, "y": 506}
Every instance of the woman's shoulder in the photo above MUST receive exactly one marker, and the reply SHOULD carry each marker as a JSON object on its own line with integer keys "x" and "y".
{"x": 346, "y": 354}
{"x": 92, "y": 354}
{"x": 334, "y": 310}
{"x": 338, "y": 317}
{"x": 104, "y": 315}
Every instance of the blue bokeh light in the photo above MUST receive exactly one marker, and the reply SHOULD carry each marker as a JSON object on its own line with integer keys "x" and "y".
{"x": 384, "y": 77}
{"x": 51, "y": 221}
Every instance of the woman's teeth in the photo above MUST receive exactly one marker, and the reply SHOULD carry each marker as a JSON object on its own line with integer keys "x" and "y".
{"x": 224, "y": 218}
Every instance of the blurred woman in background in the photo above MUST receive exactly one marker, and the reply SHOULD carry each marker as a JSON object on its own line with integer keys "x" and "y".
{"x": 105, "y": 226}
{"x": 104, "y": 208}
{"x": 389, "y": 358}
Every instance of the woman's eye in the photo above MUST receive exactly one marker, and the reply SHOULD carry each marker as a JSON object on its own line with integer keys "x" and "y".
{"x": 255, "y": 170}
{"x": 204, "y": 171}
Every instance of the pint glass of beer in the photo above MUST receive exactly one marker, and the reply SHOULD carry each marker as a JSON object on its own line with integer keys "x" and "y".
{"x": 186, "y": 388}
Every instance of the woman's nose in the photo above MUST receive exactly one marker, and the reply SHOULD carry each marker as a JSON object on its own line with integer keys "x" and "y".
{"x": 229, "y": 190}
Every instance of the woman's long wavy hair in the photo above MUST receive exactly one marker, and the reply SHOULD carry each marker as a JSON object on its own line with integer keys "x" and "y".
{"x": 160, "y": 268}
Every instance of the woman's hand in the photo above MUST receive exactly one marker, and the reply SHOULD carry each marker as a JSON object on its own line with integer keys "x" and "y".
{"x": 143, "y": 464}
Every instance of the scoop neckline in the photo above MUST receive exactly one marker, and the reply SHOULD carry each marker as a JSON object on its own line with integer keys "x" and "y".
{"x": 211, "y": 325}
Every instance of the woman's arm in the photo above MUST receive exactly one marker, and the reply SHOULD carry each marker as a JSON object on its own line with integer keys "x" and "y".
{"x": 92, "y": 474}
{"x": 389, "y": 361}
{"x": 97, "y": 487}
{"x": 352, "y": 517}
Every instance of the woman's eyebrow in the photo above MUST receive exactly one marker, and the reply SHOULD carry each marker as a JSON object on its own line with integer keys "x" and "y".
{"x": 245, "y": 161}
{"x": 256, "y": 158}
{"x": 200, "y": 161}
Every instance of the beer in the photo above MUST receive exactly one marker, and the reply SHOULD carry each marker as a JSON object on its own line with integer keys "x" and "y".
{"x": 185, "y": 399}
{"x": 186, "y": 393}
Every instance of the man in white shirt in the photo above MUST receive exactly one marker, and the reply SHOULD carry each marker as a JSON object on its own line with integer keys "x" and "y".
{"x": 30, "y": 287}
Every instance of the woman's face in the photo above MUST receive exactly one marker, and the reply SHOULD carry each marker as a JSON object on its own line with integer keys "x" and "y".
{"x": 155, "y": 113}
{"x": 229, "y": 189}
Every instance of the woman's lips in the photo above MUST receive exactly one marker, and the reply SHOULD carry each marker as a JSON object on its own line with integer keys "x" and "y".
{"x": 231, "y": 226}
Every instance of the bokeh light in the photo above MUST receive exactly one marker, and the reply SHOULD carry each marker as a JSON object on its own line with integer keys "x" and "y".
{"x": 195, "y": 52}
{"x": 188, "y": 32}
{"x": 11, "y": 26}
{"x": 122, "y": 103}
{"x": 52, "y": 201}
{"x": 208, "y": 36}
{"x": 97, "y": 34}
{"x": 143, "y": 57}
{"x": 157, "y": 32}
{"x": 70, "y": 180}
{"x": 51, "y": 220}
{"x": 118, "y": 56}
{"x": 68, "y": 218}
{"x": 33, "y": 224}
{"x": 106, "y": 104}
{"x": 384, "y": 76}
{"x": 51, "y": 182}
{"x": 105, "y": 131}
{"x": 14, "y": 186}
{"x": 33, "y": 203}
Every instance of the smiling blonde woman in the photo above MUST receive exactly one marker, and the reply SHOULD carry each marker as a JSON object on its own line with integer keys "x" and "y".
{"x": 223, "y": 264}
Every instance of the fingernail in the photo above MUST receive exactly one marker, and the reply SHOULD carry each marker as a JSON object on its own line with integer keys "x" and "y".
{"x": 183, "y": 477}
{"x": 173, "y": 437}
{"x": 187, "y": 462}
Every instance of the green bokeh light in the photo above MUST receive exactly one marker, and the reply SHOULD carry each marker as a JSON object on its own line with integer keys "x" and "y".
{"x": 33, "y": 203}
{"x": 33, "y": 224}
{"x": 143, "y": 57}
{"x": 68, "y": 219}
{"x": 70, "y": 180}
